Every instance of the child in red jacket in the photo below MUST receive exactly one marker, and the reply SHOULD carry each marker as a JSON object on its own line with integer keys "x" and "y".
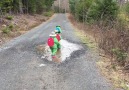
{"x": 58, "y": 36}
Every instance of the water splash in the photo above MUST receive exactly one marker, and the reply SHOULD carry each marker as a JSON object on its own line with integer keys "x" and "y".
{"x": 66, "y": 50}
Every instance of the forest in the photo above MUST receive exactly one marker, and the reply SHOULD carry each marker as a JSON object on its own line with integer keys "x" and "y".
{"x": 110, "y": 19}
{"x": 19, "y": 16}
{"x": 25, "y": 6}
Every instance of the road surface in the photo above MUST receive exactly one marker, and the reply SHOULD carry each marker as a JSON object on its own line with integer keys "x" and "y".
{"x": 22, "y": 68}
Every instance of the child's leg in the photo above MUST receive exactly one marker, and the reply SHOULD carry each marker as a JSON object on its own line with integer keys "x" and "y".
{"x": 54, "y": 50}
{"x": 58, "y": 46}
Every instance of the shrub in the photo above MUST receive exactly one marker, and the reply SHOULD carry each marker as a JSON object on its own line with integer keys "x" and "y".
{"x": 127, "y": 8}
{"x": 49, "y": 13}
{"x": 9, "y": 17}
{"x": 79, "y": 8}
{"x": 103, "y": 10}
{"x": 120, "y": 55}
{"x": 6, "y": 30}
{"x": 11, "y": 26}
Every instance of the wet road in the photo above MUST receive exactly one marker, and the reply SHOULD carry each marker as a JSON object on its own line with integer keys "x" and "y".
{"x": 22, "y": 68}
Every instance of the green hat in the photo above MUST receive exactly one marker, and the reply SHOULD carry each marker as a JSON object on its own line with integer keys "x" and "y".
{"x": 58, "y": 26}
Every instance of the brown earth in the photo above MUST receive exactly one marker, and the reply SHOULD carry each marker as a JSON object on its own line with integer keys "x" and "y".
{"x": 21, "y": 24}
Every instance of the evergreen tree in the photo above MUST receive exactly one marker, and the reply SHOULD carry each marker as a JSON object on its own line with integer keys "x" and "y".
{"x": 103, "y": 10}
{"x": 20, "y": 6}
{"x": 79, "y": 8}
{"x": 6, "y": 5}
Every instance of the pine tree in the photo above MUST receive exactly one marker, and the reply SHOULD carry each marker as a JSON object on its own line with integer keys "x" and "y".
{"x": 21, "y": 6}
{"x": 103, "y": 10}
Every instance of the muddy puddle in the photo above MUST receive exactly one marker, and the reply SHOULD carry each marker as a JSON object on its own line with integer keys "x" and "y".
{"x": 65, "y": 52}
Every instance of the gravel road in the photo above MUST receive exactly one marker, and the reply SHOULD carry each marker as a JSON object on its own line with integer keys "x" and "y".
{"x": 21, "y": 67}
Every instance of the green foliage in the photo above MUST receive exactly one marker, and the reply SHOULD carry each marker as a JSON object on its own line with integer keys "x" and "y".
{"x": 72, "y": 5}
{"x": 48, "y": 4}
{"x": 6, "y": 30}
{"x": 49, "y": 13}
{"x": 11, "y": 26}
{"x": 82, "y": 9}
{"x": 9, "y": 17}
{"x": 79, "y": 8}
{"x": 59, "y": 10}
{"x": 22, "y": 6}
{"x": 32, "y": 6}
{"x": 120, "y": 55}
{"x": 103, "y": 10}
{"x": 39, "y": 6}
{"x": 15, "y": 5}
{"x": 127, "y": 8}
{"x": 94, "y": 10}
{"x": 6, "y": 5}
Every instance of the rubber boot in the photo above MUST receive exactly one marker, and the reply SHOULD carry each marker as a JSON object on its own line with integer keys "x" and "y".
{"x": 56, "y": 59}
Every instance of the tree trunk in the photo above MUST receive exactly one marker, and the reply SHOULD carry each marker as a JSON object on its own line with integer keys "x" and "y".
{"x": 1, "y": 15}
{"x": 20, "y": 7}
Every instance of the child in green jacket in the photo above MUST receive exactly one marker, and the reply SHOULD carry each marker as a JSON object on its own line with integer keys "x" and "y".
{"x": 56, "y": 44}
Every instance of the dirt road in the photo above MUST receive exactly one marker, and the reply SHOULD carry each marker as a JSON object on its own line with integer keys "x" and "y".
{"x": 22, "y": 68}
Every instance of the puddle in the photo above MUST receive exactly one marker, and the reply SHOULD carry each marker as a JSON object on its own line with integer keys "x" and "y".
{"x": 66, "y": 50}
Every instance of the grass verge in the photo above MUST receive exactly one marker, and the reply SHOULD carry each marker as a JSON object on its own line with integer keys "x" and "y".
{"x": 115, "y": 74}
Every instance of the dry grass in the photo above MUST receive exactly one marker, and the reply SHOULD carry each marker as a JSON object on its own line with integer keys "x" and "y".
{"x": 22, "y": 24}
{"x": 113, "y": 72}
